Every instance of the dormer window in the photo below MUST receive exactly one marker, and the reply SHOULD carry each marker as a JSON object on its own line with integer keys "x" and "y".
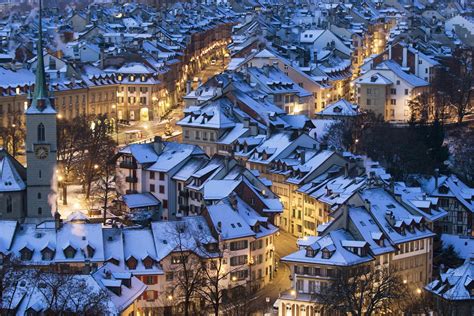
{"x": 131, "y": 263}
{"x": 115, "y": 261}
{"x": 148, "y": 262}
{"x": 47, "y": 254}
{"x": 69, "y": 252}
{"x": 89, "y": 251}
{"x": 311, "y": 252}
{"x": 26, "y": 253}
{"x": 325, "y": 254}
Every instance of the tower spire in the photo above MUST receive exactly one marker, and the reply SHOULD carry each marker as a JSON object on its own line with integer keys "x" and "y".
{"x": 40, "y": 84}
{"x": 40, "y": 100}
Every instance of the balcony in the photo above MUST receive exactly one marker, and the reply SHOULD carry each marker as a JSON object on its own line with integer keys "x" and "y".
{"x": 131, "y": 191}
{"x": 184, "y": 194}
{"x": 131, "y": 179}
{"x": 128, "y": 165}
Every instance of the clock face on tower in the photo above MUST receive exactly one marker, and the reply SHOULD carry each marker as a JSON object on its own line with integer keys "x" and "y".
{"x": 41, "y": 151}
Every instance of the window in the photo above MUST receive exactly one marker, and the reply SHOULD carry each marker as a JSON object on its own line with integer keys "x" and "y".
{"x": 393, "y": 101}
{"x": 41, "y": 135}
{"x": 162, "y": 189}
{"x": 239, "y": 275}
{"x": 39, "y": 195}
{"x": 152, "y": 175}
{"x": 460, "y": 216}
{"x": 162, "y": 176}
{"x": 238, "y": 245}
{"x": 369, "y": 102}
{"x": 238, "y": 260}
{"x": 152, "y": 188}
{"x": 398, "y": 82}
{"x": 459, "y": 230}
{"x": 40, "y": 210}
{"x": 165, "y": 203}
{"x": 393, "y": 91}
{"x": 169, "y": 276}
{"x": 176, "y": 260}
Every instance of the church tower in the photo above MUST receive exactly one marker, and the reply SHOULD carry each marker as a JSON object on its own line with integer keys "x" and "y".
{"x": 41, "y": 143}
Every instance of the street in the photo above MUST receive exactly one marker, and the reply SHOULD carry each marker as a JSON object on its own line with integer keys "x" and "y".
{"x": 141, "y": 130}
{"x": 285, "y": 244}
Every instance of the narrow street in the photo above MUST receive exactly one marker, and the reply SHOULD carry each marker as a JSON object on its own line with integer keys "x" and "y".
{"x": 285, "y": 244}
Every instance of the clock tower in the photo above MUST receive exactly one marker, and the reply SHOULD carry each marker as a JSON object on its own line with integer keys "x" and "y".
{"x": 41, "y": 143}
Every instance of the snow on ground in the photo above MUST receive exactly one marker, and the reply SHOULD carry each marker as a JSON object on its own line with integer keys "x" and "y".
{"x": 76, "y": 202}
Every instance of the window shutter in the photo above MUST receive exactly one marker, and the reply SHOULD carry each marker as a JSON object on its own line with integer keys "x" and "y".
{"x": 144, "y": 295}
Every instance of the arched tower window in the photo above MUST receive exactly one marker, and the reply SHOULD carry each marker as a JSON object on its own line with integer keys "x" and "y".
{"x": 41, "y": 136}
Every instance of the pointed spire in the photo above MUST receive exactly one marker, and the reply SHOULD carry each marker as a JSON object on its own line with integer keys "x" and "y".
{"x": 40, "y": 100}
{"x": 41, "y": 92}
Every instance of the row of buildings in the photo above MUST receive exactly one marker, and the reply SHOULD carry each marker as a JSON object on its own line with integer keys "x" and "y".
{"x": 130, "y": 62}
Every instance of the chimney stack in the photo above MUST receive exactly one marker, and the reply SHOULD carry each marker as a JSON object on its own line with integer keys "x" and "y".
{"x": 436, "y": 175}
{"x": 158, "y": 144}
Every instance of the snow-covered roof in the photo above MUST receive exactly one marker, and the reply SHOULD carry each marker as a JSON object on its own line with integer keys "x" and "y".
{"x": 109, "y": 275}
{"x": 10, "y": 169}
{"x": 219, "y": 189}
{"x": 382, "y": 206}
{"x": 463, "y": 245}
{"x": 340, "y": 108}
{"x": 189, "y": 234}
{"x": 340, "y": 255}
{"x": 455, "y": 284}
{"x": 7, "y": 229}
{"x": 139, "y": 200}
{"x": 217, "y": 114}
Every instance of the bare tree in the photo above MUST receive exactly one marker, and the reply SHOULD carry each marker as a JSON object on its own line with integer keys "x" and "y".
{"x": 10, "y": 274}
{"x": 188, "y": 272}
{"x": 456, "y": 82}
{"x": 69, "y": 293}
{"x": 99, "y": 148}
{"x": 71, "y": 148}
{"x": 104, "y": 188}
{"x": 13, "y": 134}
{"x": 363, "y": 293}
{"x": 420, "y": 107}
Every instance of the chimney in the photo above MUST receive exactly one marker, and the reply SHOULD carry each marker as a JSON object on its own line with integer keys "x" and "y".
{"x": 345, "y": 216}
{"x": 417, "y": 67}
{"x": 58, "y": 222}
{"x": 405, "y": 53}
{"x": 226, "y": 164}
{"x": 389, "y": 51}
{"x": 158, "y": 145}
{"x": 266, "y": 70}
{"x": 436, "y": 176}
{"x": 392, "y": 186}
{"x": 233, "y": 200}
{"x": 346, "y": 170}
{"x": 303, "y": 157}
{"x": 246, "y": 122}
